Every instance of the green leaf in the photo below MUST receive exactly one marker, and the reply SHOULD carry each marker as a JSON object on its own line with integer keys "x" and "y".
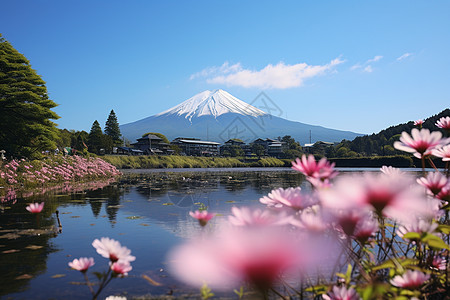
{"x": 412, "y": 236}
{"x": 435, "y": 242}
{"x": 318, "y": 289}
{"x": 445, "y": 229}
{"x": 385, "y": 265}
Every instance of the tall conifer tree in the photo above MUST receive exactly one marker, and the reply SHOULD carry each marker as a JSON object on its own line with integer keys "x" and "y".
{"x": 112, "y": 127}
{"x": 95, "y": 138}
{"x": 25, "y": 108}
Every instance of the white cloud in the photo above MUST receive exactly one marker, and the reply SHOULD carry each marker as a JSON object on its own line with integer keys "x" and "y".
{"x": 354, "y": 67}
{"x": 376, "y": 58}
{"x": 404, "y": 56}
{"x": 225, "y": 68}
{"x": 368, "y": 69}
{"x": 279, "y": 76}
{"x": 366, "y": 66}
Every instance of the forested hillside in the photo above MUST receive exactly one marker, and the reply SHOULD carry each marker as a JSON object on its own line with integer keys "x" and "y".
{"x": 382, "y": 142}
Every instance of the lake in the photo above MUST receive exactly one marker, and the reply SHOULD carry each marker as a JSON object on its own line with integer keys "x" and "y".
{"x": 146, "y": 210}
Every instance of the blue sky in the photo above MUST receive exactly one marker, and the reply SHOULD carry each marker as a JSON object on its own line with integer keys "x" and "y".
{"x": 351, "y": 65}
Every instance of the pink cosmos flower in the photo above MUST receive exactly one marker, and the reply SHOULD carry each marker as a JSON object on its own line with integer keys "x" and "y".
{"x": 444, "y": 194}
{"x": 312, "y": 222}
{"x": 290, "y": 197}
{"x": 341, "y": 293}
{"x": 444, "y": 123}
{"x": 434, "y": 182}
{"x": 366, "y": 229}
{"x": 245, "y": 216}
{"x": 35, "y": 207}
{"x": 443, "y": 152}
{"x": 348, "y": 219}
{"x": 234, "y": 256}
{"x": 82, "y": 264}
{"x": 439, "y": 263}
{"x": 112, "y": 249}
{"x": 121, "y": 268}
{"x": 410, "y": 280}
{"x": 203, "y": 216}
{"x": 389, "y": 170}
{"x": 421, "y": 142}
{"x": 397, "y": 197}
{"x": 309, "y": 167}
{"x": 421, "y": 226}
{"x": 418, "y": 123}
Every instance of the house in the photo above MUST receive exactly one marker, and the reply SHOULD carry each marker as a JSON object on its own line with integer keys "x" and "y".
{"x": 272, "y": 147}
{"x": 152, "y": 144}
{"x": 127, "y": 151}
{"x": 234, "y": 146}
{"x": 318, "y": 145}
{"x": 196, "y": 147}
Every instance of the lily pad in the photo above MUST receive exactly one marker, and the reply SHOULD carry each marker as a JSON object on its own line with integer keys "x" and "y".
{"x": 134, "y": 217}
{"x": 10, "y": 251}
{"x": 33, "y": 247}
{"x": 24, "y": 276}
{"x": 58, "y": 275}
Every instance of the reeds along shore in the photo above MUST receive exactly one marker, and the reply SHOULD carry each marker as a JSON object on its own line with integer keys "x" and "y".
{"x": 174, "y": 161}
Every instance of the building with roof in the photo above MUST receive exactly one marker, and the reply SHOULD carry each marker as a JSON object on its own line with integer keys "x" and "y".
{"x": 152, "y": 144}
{"x": 196, "y": 147}
{"x": 271, "y": 147}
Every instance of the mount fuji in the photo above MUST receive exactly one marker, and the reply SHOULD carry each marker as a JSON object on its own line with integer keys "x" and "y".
{"x": 219, "y": 116}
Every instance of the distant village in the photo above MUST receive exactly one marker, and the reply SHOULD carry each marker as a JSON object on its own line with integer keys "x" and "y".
{"x": 152, "y": 144}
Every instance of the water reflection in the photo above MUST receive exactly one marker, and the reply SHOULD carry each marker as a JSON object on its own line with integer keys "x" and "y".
{"x": 147, "y": 212}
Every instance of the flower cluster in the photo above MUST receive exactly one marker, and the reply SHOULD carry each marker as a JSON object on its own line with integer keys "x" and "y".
{"x": 378, "y": 234}
{"x": 55, "y": 169}
{"x": 119, "y": 262}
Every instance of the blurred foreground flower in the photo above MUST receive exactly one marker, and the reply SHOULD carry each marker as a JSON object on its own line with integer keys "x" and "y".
{"x": 319, "y": 170}
{"x": 410, "y": 280}
{"x": 119, "y": 264}
{"x": 420, "y": 142}
{"x": 434, "y": 182}
{"x": 292, "y": 198}
{"x": 234, "y": 256}
{"x": 246, "y": 216}
{"x": 203, "y": 216}
{"x": 35, "y": 207}
{"x": 418, "y": 123}
{"x": 112, "y": 249}
{"x": 82, "y": 264}
{"x": 341, "y": 293}
{"x": 444, "y": 123}
{"x": 121, "y": 268}
{"x": 397, "y": 197}
{"x": 443, "y": 153}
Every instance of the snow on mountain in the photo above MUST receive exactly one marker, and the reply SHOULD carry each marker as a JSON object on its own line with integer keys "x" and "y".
{"x": 218, "y": 116}
{"x": 212, "y": 103}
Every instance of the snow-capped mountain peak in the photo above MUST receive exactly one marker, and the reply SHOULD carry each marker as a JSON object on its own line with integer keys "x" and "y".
{"x": 212, "y": 103}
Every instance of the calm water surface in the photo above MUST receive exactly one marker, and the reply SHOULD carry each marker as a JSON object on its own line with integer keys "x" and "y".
{"x": 146, "y": 210}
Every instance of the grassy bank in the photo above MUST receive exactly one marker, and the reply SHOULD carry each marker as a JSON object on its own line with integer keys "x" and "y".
{"x": 174, "y": 161}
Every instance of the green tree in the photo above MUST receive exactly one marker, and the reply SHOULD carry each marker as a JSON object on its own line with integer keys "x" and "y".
{"x": 160, "y": 135}
{"x": 112, "y": 128}
{"x": 25, "y": 108}
{"x": 258, "y": 149}
{"x": 95, "y": 138}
